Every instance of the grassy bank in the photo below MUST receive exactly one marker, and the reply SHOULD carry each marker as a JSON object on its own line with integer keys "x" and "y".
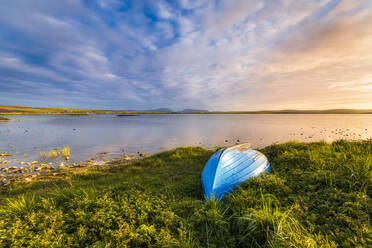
{"x": 318, "y": 195}
{"x": 4, "y": 119}
{"x": 18, "y": 110}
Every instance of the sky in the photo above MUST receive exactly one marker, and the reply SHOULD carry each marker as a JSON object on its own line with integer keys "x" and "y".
{"x": 212, "y": 54}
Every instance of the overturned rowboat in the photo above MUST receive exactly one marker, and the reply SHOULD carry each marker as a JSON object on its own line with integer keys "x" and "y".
{"x": 229, "y": 167}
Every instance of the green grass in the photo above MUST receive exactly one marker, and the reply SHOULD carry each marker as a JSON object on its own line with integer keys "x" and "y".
{"x": 318, "y": 195}
{"x": 4, "y": 119}
{"x": 54, "y": 153}
{"x": 19, "y": 110}
{"x": 63, "y": 152}
{"x": 43, "y": 155}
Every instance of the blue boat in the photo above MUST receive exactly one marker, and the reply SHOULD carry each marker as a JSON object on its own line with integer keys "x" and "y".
{"x": 229, "y": 167}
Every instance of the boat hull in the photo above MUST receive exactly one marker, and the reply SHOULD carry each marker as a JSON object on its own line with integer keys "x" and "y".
{"x": 228, "y": 168}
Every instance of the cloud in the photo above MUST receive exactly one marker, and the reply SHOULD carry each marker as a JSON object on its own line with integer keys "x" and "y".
{"x": 164, "y": 10}
{"x": 337, "y": 46}
{"x": 255, "y": 64}
{"x": 220, "y": 55}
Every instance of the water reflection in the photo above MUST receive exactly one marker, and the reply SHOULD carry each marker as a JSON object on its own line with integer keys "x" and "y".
{"x": 89, "y": 135}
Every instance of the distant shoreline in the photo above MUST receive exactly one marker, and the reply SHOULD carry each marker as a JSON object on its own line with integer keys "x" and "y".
{"x": 19, "y": 110}
{"x": 4, "y": 119}
{"x": 295, "y": 112}
{"x": 119, "y": 113}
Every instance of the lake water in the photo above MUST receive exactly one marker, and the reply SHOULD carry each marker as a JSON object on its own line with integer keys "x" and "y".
{"x": 89, "y": 135}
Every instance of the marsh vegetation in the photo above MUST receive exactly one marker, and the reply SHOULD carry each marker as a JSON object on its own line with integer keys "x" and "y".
{"x": 20, "y": 110}
{"x": 63, "y": 152}
{"x": 4, "y": 119}
{"x": 318, "y": 195}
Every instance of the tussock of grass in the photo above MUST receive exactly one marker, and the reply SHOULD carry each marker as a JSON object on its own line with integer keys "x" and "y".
{"x": 4, "y": 119}
{"x": 20, "y": 206}
{"x": 43, "y": 155}
{"x": 63, "y": 152}
{"x": 54, "y": 153}
{"x": 318, "y": 195}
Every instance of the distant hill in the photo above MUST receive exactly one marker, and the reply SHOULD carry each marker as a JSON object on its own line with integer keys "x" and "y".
{"x": 160, "y": 110}
{"x": 193, "y": 111}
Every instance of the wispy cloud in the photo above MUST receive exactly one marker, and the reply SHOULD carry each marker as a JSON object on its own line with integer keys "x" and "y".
{"x": 240, "y": 54}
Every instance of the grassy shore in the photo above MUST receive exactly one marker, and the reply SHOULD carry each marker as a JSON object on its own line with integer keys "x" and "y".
{"x": 19, "y": 110}
{"x": 318, "y": 195}
{"x": 4, "y": 119}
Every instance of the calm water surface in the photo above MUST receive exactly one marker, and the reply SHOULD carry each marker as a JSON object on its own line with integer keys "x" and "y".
{"x": 89, "y": 135}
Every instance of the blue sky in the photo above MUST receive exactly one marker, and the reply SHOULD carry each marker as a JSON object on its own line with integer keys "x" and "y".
{"x": 213, "y": 54}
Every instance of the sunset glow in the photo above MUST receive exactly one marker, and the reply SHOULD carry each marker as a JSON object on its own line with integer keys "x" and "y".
{"x": 215, "y": 55}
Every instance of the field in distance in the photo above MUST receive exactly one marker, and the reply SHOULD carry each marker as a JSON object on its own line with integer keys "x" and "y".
{"x": 19, "y": 110}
